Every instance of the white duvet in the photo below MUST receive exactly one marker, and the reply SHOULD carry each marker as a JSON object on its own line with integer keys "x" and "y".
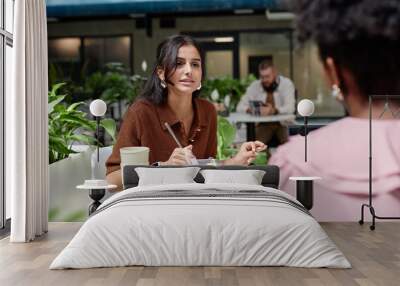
{"x": 183, "y": 231}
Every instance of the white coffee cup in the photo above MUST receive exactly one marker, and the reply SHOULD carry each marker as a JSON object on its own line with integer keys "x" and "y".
{"x": 138, "y": 155}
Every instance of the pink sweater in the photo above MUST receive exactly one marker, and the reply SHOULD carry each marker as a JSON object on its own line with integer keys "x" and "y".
{"x": 339, "y": 154}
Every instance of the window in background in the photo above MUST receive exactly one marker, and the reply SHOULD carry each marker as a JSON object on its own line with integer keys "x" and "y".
{"x": 219, "y": 64}
{"x": 220, "y": 53}
{"x": 301, "y": 65}
{"x": 6, "y": 43}
{"x": 8, "y": 88}
{"x": 65, "y": 58}
{"x": 255, "y": 46}
{"x": 9, "y": 13}
{"x": 100, "y": 51}
{"x": 72, "y": 56}
{"x": 311, "y": 82}
{"x": 254, "y": 61}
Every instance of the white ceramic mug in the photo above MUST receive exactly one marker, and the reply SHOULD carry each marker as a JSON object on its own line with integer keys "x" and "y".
{"x": 138, "y": 155}
{"x": 134, "y": 155}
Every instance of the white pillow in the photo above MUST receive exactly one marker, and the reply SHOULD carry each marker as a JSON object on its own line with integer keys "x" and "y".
{"x": 248, "y": 177}
{"x": 164, "y": 176}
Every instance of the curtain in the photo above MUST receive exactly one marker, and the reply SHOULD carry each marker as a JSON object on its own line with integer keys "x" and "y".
{"x": 26, "y": 124}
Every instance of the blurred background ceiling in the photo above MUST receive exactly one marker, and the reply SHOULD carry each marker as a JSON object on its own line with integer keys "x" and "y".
{"x": 95, "y": 8}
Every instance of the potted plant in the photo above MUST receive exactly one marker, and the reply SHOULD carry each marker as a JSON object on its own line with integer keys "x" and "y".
{"x": 68, "y": 167}
{"x": 225, "y": 92}
{"x": 67, "y": 125}
{"x": 114, "y": 85}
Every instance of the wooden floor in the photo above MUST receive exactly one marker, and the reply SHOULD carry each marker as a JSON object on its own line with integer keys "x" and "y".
{"x": 375, "y": 257}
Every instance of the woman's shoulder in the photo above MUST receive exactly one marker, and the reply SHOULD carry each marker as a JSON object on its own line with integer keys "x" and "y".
{"x": 139, "y": 109}
{"x": 319, "y": 138}
{"x": 141, "y": 103}
{"x": 142, "y": 106}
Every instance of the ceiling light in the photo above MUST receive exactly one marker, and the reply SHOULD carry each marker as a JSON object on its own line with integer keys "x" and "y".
{"x": 52, "y": 19}
{"x": 243, "y": 11}
{"x": 278, "y": 16}
{"x": 137, "y": 15}
{"x": 224, "y": 39}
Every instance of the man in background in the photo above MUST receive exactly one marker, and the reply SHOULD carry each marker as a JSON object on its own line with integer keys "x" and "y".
{"x": 270, "y": 95}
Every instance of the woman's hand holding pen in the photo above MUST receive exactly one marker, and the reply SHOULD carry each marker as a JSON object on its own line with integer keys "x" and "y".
{"x": 179, "y": 156}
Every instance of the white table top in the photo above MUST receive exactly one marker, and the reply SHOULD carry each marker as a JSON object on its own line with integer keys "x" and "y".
{"x": 88, "y": 187}
{"x": 304, "y": 178}
{"x": 245, "y": 117}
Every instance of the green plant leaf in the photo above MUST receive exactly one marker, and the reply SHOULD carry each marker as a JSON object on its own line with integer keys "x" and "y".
{"x": 53, "y": 213}
{"x": 227, "y": 85}
{"x": 82, "y": 138}
{"x": 58, "y": 145}
{"x": 59, "y": 108}
{"x": 110, "y": 127}
{"x": 77, "y": 120}
{"x": 56, "y": 100}
{"x": 226, "y": 133}
{"x": 261, "y": 159}
{"x": 55, "y": 88}
{"x": 76, "y": 216}
{"x": 73, "y": 106}
{"x": 220, "y": 146}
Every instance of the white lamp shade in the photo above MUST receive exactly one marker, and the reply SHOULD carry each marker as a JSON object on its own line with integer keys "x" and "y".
{"x": 214, "y": 95}
{"x": 144, "y": 66}
{"x": 98, "y": 107}
{"x": 227, "y": 100}
{"x": 305, "y": 107}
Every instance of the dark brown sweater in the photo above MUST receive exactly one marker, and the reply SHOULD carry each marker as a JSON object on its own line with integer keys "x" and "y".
{"x": 143, "y": 125}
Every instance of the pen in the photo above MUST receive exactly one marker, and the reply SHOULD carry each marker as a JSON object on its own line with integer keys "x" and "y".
{"x": 173, "y": 134}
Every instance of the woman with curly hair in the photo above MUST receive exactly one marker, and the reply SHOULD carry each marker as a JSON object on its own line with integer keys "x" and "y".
{"x": 359, "y": 46}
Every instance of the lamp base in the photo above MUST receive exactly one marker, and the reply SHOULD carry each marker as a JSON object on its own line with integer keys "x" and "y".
{"x": 96, "y": 195}
{"x": 305, "y": 193}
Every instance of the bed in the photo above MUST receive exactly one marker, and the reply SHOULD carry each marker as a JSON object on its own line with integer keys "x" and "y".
{"x": 201, "y": 224}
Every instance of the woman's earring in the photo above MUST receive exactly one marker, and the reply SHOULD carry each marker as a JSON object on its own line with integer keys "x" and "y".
{"x": 163, "y": 84}
{"x": 199, "y": 87}
{"x": 336, "y": 92}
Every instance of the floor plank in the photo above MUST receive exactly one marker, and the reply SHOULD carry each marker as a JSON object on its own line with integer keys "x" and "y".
{"x": 375, "y": 257}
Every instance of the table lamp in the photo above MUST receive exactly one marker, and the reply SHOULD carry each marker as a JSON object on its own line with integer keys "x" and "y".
{"x": 96, "y": 187}
{"x": 98, "y": 108}
{"x": 305, "y": 108}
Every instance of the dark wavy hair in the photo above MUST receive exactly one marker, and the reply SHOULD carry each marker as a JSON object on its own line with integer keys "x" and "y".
{"x": 167, "y": 53}
{"x": 362, "y": 36}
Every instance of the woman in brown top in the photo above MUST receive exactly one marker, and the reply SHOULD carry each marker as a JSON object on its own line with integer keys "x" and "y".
{"x": 171, "y": 95}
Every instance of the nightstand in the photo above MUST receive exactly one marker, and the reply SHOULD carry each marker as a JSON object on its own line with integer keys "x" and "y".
{"x": 304, "y": 190}
{"x": 97, "y": 190}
